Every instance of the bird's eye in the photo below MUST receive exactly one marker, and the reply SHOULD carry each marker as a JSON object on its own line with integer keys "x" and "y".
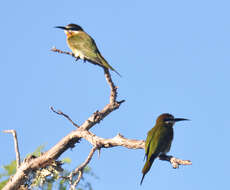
{"x": 168, "y": 120}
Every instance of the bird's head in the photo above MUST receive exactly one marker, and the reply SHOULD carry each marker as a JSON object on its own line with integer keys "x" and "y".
{"x": 168, "y": 119}
{"x": 70, "y": 28}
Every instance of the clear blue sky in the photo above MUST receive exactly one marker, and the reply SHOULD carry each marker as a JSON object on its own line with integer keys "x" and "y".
{"x": 174, "y": 57}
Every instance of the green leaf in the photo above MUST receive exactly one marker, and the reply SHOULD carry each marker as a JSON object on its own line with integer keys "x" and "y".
{"x": 62, "y": 187}
{"x": 10, "y": 169}
{"x": 50, "y": 186}
{"x": 87, "y": 169}
{"x": 66, "y": 160}
{"x": 38, "y": 151}
{"x": 3, "y": 183}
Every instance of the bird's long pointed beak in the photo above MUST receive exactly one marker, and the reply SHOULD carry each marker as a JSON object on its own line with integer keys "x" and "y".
{"x": 180, "y": 119}
{"x": 61, "y": 27}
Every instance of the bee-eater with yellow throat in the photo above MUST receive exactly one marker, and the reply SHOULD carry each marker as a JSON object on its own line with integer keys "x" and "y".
{"x": 83, "y": 46}
{"x": 159, "y": 139}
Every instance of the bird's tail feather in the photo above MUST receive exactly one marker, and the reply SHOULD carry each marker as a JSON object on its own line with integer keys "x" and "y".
{"x": 142, "y": 179}
{"x": 147, "y": 167}
{"x": 105, "y": 64}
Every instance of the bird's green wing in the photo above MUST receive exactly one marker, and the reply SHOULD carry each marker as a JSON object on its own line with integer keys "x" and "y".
{"x": 161, "y": 141}
{"x": 149, "y": 153}
{"x": 84, "y": 43}
{"x": 158, "y": 140}
{"x": 149, "y": 140}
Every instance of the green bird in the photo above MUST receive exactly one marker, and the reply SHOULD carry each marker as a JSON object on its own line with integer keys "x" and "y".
{"x": 159, "y": 140}
{"x": 83, "y": 46}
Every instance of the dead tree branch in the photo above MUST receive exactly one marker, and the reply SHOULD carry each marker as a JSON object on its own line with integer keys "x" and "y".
{"x": 66, "y": 116}
{"x": 15, "y": 145}
{"x": 80, "y": 169}
{"x": 63, "y": 52}
{"x": 175, "y": 161}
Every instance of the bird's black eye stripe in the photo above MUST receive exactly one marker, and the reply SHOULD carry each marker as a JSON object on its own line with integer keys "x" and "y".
{"x": 168, "y": 119}
{"x": 74, "y": 27}
{"x": 71, "y": 28}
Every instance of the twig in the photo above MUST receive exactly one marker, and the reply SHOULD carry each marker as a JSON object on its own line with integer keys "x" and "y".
{"x": 73, "y": 186}
{"x": 66, "y": 116}
{"x": 80, "y": 169}
{"x": 175, "y": 161}
{"x": 113, "y": 88}
{"x": 54, "y": 49}
{"x": 15, "y": 145}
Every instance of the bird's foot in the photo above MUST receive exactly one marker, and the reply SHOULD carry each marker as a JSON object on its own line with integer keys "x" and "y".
{"x": 77, "y": 59}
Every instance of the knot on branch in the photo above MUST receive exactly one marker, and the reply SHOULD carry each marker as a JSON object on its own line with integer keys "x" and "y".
{"x": 29, "y": 158}
{"x": 119, "y": 135}
{"x": 97, "y": 117}
{"x": 115, "y": 105}
{"x": 72, "y": 142}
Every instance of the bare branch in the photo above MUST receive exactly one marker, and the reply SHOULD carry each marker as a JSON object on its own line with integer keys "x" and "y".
{"x": 72, "y": 187}
{"x": 15, "y": 145}
{"x": 113, "y": 88}
{"x": 80, "y": 169}
{"x": 118, "y": 140}
{"x": 63, "y": 52}
{"x": 175, "y": 161}
{"x": 113, "y": 105}
{"x": 66, "y": 116}
{"x": 54, "y": 49}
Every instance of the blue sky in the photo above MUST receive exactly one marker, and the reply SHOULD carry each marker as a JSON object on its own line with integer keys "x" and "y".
{"x": 173, "y": 56}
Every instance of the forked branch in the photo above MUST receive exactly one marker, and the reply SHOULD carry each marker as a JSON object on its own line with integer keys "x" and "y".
{"x": 80, "y": 169}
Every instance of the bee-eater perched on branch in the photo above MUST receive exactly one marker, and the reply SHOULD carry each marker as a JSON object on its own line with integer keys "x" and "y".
{"x": 83, "y": 46}
{"x": 159, "y": 140}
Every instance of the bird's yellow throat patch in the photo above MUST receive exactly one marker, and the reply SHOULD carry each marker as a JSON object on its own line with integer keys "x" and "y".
{"x": 69, "y": 33}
